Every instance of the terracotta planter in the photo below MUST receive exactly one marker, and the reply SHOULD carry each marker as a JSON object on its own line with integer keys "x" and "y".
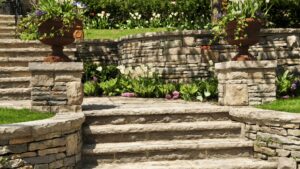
{"x": 251, "y": 31}
{"x": 57, "y": 42}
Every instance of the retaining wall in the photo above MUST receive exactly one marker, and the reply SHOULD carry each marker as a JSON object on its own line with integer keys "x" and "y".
{"x": 180, "y": 56}
{"x": 276, "y": 135}
{"x": 50, "y": 143}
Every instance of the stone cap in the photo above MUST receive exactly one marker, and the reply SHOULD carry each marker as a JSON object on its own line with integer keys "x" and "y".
{"x": 57, "y": 66}
{"x": 239, "y": 65}
{"x": 267, "y": 117}
{"x": 60, "y": 123}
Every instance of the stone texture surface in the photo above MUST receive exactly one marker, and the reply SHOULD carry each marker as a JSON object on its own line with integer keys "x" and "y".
{"x": 275, "y": 134}
{"x": 42, "y": 144}
{"x": 246, "y": 83}
{"x": 56, "y": 87}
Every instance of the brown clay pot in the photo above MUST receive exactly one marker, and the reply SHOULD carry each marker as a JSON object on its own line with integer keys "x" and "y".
{"x": 57, "y": 42}
{"x": 251, "y": 31}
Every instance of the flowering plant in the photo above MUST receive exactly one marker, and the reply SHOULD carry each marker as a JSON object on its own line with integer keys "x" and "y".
{"x": 240, "y": 10}
{"x": 65, "y": 11}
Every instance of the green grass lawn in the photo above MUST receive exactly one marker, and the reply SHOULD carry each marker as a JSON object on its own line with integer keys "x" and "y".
{"x": 8, "y": 115}
{"x": 287, "y": 105}
{"x": 117, "y": 33}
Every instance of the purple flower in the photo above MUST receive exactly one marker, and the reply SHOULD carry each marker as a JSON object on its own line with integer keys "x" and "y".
{"x": 79, "y": 5}
{"x": 294, "y": 86}
{"x": 168, "y": 96}
{"x": 95, "y": 79}
{"x": 286, "y": 97}
{"x": 176, "y": 93}
{"x": 128, "y": 94}
{"x": 219, "y": 15}
{"x": 40, "y": 13}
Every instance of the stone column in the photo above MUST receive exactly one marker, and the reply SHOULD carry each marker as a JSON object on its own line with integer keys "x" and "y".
{"x": 246, "y": 83}
{"x": 56, "y": 87}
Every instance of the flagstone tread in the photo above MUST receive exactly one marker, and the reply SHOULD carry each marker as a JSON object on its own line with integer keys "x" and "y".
{"x": 13, "y": 69}
{"x": 233, "y": 163}
{"x": 157, "y": 110}
{"x": 161, "y": 127}
{"x": 24, "y": 50}
{"x": 130, "y": 147}
{"x": 13, "y": 91}
{"x": 14, "y": 79}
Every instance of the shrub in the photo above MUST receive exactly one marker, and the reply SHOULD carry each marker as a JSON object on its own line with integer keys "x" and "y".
{"x": 90, "y": 88}
{"x": 287, "y": 85}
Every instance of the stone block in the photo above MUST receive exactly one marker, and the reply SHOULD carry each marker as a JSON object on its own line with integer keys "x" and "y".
{"x": 234, "y": 90}
{"x": 41, "y": 159}
{"x": 41, "y": 108}
{"x": 75, "y": 93}
{"x": 283, "y": 152}
{"x": 42, "y": 79}
{"x": 286, "y": 163}
{"x": 41, "y": 166}
{"x": 189, "y": 41}
{"x": 20, "y": 140}
{"x": 65, "y": 108}
{"x": 51, "y": 151}
{"x": 265, "y": 150}
{"x": 56, "y": 164}
{"x": 294, "y": 132}
{"x": 72, "y": 144}
{"x": 293, "y": 41}
{"x": 47, "y": 144}
{"x": 70, "y": 161}
{"x": 67, "y": 77}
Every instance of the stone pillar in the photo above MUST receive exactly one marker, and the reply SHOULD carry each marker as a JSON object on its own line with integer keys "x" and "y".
{"x": 56, "y": 87}
{"x": 243, "y": 83}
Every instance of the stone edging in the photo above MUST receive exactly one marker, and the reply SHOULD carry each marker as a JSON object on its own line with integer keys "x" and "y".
{"x": 61, "y": 122}
{"x": 49, "y": 143}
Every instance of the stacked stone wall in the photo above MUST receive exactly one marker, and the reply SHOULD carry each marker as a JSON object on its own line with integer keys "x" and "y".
{"x": 182, "y": 55}
{"x": 44, "y": 144}
{"x": 276, "y": 135}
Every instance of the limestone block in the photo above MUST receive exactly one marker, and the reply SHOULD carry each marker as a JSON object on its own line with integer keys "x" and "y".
{"x": 51, "y": 151}
{"x": 41, "y": 166}
{"x": 265, "y": 150}
{"x": 283, "y": 153}
{"x": 236, "y": 75}
{"x": 72, "y": 144}
{"x": 286, "y": 163}
{"x": 56, "y": 164}
{"x": 294, "y": 132}
{"x": 75, "y": 93}
{"x": 234, "y": 90}
{"x": 189, "y": 41}
{"x": 45, "y": 79}
{"x": 47, "y": 144}
{"x": 41, "y": 108}
{"x": 65, "y": 108}
{"x": 67, "y": 77}
{"x": 293, "y": 41}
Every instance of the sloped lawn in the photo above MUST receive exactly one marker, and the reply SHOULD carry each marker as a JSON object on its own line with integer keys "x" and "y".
{"x": 287, "y": 105}
{"x": 8, "y": 115}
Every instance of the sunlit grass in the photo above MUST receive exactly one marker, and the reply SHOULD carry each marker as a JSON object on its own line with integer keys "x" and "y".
{"x": 8, "y": 115}
{"x": 117, "y": 33}
{"x": 287, "y": 105}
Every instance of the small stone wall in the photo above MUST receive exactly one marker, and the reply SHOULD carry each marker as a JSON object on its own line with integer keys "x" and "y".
{"x": 97, "y": 51}
{"x": 276, "y": 135}
{"x": 56, "y": 87}
{"x": 246, "y": 83}
{"x": 44, "y": 144}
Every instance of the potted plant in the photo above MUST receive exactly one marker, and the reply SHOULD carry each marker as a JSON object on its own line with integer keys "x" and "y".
{"x": 240, "y": 25}
{"x": 56, "y": 23}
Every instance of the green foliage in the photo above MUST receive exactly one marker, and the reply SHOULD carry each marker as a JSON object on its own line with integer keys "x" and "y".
{"x": 145, "y": 86}
{"x": 64, "y": 11}
{"x": 164, "y": 89}
{"x": 128, "y": 14}
{"x": 99, "y": 73}
{"x": 189, "y": 91}
{"x": 110, "y": 87}
{"x": 9, "y": 115}
{"x": 90, "y": 88}
{"x": 287, "y": 84}
{"x": 286, "y": 105}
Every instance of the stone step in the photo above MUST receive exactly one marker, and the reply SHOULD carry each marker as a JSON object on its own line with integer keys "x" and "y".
{"x": 7, "y": 23}
{"x": 7, "y": 17}
{"x": 29, "y": 54}
{"x": 166, "y": 150}
{"x": 232, "y": 163}
{"x": 161, "y": 131}
{"x": 15, "y": 82}
{"x": 154, "y": 115}
{"x": 17, "y": 43}
{"x": 14, "y": 72}
{"x": 7, "y": 29}
{"x": 7, "y": 35}
{"x": 15, "y": 94}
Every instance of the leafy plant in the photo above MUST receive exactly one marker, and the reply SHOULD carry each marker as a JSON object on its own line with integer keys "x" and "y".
{"x": 165, "y": 89}
{"x": 287, "y": 85}
{"x": 239, "y": 10}
{"x": 90, "y": 88}
{"x": 208, "y": 89}
{"x": 145, "y": 86}
{"x": 110, "y": 87}
{"x": 66, "y": 11}
{"x": 189, "y": 91}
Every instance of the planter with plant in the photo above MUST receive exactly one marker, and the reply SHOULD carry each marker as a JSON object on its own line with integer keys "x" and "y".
{"x": 55, "y": 23}
{"x": 240, "y": 25}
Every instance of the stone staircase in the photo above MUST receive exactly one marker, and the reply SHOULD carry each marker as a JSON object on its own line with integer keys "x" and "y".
{"x": 155, "y": 136}
{"x": 14, "y": 58}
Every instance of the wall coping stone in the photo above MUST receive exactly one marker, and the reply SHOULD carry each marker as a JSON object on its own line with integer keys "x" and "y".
{"x": 61, "y": 122}
{"x": 267, "y": 117}
{"x": 238, "y": 65}
{"x": 57, "y": 66}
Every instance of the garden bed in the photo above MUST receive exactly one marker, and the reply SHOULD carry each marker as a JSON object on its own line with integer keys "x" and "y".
{"x": 9, "y": 115}
{"x": 287, "y": 105}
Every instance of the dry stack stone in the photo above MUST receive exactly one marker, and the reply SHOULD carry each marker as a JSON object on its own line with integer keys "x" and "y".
{"x": 56, "y": 87}
{"x": 246, "y": 83}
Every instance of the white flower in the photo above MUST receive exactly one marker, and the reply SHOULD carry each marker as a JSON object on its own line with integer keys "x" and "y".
{"x": 128, "y": 71}
{"x": 122, "y": 69}
{"x": 144, "y": 68}
{"x": 138, "y": 71}
{"x": 267, "y": 1}
{"x": 107, "y": 14}
{"x": 99, "y": 69}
